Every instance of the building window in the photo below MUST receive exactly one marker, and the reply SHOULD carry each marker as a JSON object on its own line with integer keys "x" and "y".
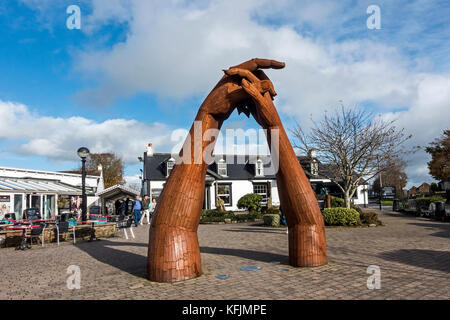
{"x": 18, "y": 206}
{"x": 224, "y": 193}
{"x": 259, "y": 168}
{"x": 262, "y": 190}
{"x": 314, "y": 168}
{"x": 169, "y": 166}
{"x": 222, "y": 168}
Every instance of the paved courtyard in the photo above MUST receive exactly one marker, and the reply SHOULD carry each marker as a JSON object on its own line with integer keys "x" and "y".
{"x": 413, "y": 255}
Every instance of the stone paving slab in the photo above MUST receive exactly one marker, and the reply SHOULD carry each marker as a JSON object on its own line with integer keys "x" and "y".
{"x": 413, "y": 255}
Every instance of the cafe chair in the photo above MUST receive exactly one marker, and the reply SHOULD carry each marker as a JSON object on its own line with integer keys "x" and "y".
{"x": 37, "y": 233}
{"x": 124, "y": 225}
{"x": 10, "y": 216}
{"x": 62, "y": 228}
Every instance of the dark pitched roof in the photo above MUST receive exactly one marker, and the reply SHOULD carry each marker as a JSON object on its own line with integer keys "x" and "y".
{"x": 238, "y": 167}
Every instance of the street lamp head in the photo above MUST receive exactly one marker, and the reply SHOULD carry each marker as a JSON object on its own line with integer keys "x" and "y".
{"x": 83, "y": 152}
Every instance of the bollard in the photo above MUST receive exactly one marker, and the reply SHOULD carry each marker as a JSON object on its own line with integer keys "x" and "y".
{"x": 439, "y": 210}
{"x": 395, "y": 205}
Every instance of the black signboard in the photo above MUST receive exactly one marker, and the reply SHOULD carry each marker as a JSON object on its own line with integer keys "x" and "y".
{"x": 5, "y": 198}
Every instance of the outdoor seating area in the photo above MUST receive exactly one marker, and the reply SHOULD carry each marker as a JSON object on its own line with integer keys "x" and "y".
{"x": 23, "y": 233}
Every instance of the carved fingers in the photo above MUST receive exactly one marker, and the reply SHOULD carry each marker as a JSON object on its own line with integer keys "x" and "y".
{"x": 258, "y": 63}
{"x": 263, "y": 85}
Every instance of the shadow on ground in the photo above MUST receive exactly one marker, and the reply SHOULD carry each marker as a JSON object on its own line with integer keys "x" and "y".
{"x": 104, "y": 251}
{"x": 442, "y": 228}
{"x": 259, "y": 230}
{"x": 427, "y": 259}
{"x": 247, "y": 254}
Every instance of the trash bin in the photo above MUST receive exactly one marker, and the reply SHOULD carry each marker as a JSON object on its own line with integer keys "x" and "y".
{"x": 395, "y": 205}
{"x": 440, "y": 210}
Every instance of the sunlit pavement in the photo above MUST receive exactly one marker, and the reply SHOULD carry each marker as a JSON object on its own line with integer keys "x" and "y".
{"x": 413, "y": 256}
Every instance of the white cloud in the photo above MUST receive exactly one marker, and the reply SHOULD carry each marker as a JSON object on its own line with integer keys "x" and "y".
{"x": 59, "y": 138}
{"x": 177, "y": 49}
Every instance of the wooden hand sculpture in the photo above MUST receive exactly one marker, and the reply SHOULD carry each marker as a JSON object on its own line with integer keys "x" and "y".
{"x": 307, "y": 243}
{"x": 173, "y": 251}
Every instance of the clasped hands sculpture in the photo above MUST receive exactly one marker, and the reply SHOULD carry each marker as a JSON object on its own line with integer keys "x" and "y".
{"x": 173, "y": 250}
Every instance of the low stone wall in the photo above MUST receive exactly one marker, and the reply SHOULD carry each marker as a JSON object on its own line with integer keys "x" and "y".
{"x": 12, "y": 238}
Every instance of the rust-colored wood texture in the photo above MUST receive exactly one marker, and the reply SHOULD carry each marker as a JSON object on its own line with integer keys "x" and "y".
{"x": 173, "y": 251}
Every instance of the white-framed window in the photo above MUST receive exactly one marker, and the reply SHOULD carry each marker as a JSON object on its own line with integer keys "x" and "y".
{"x": 169, "y": 166}
{"x": 222, "y": 168}
{"x": 224, "y": 193}
{"x": 259, "y": 168}
{"x": 262, "y": 190}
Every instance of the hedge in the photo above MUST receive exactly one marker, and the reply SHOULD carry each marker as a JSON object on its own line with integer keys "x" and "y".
{"x": 340, "y": 216}
{"x": 272, "y": 220}
{"x": 423, "y": 203}
{"x": 218, "y": 216}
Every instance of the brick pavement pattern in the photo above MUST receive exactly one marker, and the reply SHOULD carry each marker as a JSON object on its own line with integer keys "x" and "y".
{"x": 413, "y": 255}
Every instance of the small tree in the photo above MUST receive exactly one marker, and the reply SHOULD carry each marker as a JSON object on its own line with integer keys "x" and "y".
{"x": 393, "y": 175}
{"x": 112, "y": 164}
{"x": 251, "y": 202}
{"x": 439, "y": 165}
{"x": 353, "y": 145}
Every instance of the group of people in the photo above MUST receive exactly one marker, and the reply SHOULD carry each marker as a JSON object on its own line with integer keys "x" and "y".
{"x": 140, "y": 209}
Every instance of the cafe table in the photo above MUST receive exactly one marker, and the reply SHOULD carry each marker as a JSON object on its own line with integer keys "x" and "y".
{"x": 93, "y": 223}
{"x": 23, "y": 245}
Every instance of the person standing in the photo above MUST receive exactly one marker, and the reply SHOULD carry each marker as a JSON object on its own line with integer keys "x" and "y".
{"x": 137, "y": 207}
{"x": 146, "y": 204}
{"x": 117, "y": 206}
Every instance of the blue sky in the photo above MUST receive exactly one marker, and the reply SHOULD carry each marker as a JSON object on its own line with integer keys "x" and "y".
{"x": 137, "y": 70}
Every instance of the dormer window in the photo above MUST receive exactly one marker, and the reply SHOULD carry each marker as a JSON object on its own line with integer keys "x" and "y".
{"x": 259, "y": 168}
{"x": 314, "y": 168}
{"x": 222, "y": 168}
{"x": 169, "y": 166}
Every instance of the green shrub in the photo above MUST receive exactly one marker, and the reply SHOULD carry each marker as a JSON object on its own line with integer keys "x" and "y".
{"x": 357, "y": 208}
{"x": 337, "y": 202}
{"x": 423, "y": 203}
{"x": 340, "y": 216}
{"x": 251, "y": 202}
{"x": 369, "y": 218}
{"x": 213, "y": 213}
{"x": 218, "y": 216}
{"x": 272, "y": 220}
{"x": 272, "y": 210}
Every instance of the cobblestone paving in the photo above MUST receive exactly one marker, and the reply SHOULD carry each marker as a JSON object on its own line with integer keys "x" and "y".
{"x": 412, "y": 253}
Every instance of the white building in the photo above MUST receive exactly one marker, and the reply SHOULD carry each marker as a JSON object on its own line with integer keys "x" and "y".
{"x": 23, "y": 188}
{"x": 231, "y": 177}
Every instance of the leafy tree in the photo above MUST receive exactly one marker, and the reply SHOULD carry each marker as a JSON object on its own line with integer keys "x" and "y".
{"x": 439, "y": 166}
{"x": 352, "y": 144}
{"x": 112, "y": 166}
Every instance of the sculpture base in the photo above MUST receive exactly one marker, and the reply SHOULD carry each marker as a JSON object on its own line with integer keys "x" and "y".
{"x": 173, "y": 255}
{"x": 307, "y": 246}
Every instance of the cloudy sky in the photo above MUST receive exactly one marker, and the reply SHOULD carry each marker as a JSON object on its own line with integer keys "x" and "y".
{"x": 138, "y": 70}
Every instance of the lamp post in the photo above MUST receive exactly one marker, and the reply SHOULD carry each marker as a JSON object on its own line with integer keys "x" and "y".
{"x": 381, "y": 184}
{"x": 83, "y": 153}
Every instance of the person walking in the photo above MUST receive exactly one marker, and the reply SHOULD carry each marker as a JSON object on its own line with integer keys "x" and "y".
{"x": 137, "y": 207}
{"x": 146, "y": 204}
{"x": 152, "y": 207}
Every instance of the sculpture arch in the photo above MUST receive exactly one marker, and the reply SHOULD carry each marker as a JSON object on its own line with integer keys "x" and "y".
{"x": 173, "y": 250}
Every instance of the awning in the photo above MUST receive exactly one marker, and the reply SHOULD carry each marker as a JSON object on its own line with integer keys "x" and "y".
{"x": 37, "y": 185}
{"x": 117, "y": 190}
